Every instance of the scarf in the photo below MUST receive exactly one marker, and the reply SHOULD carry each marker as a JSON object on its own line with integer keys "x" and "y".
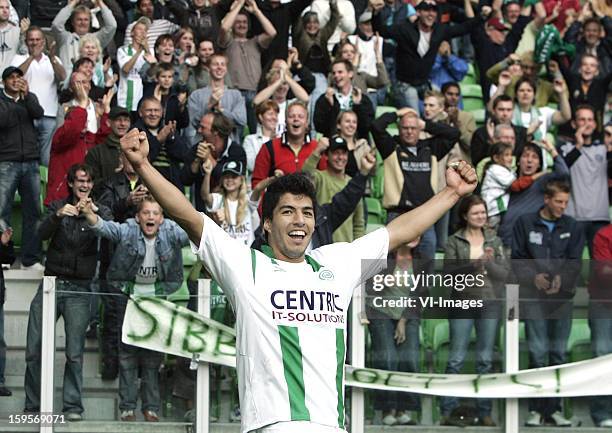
{"x": 517, "y": 119}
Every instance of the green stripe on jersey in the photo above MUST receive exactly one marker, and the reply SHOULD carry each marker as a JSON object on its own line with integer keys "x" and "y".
{"x": 129, "y": 97}
{"x": 340, "y": 351}
{"x": 294, "y": 372}
{"x": 313, "y": 263}
{"x": 253, "y": 263}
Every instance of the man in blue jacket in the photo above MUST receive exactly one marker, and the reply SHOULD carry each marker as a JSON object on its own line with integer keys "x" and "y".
{"x": 147, "y": 262}
{"x": 546, "y": 251}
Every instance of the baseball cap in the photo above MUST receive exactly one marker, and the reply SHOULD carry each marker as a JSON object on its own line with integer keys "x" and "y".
{"x": 234, "y": 167}
{"x": 427, "y": 5}
{"x": 11, "y": 70}
{"x": 118, "y": 112}
{"x": 497, "y": 24}
{"x": 336, "y": 143}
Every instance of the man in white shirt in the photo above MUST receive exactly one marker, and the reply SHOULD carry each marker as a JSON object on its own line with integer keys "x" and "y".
{"x": 291, "y": 307}
{"x": 43, "y": 73}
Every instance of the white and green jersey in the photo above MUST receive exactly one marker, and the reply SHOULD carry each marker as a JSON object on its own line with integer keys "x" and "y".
{"x": 130, "y": 84}
{"x": 290, "y": 323}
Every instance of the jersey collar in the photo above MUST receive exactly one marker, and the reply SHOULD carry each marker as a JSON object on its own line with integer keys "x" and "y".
{"x": 268, "y": 251}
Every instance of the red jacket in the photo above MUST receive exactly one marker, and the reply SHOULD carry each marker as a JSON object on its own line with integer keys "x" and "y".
{"x": 284, "y": 159}
{"x": 70, "y": 144}
{"x": 601, "y": 266}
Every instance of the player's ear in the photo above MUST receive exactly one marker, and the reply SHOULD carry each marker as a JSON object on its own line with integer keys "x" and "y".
{"x": 267, "y": 225}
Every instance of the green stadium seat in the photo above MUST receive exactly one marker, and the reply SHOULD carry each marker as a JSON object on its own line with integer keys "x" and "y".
{"x": 376, "y": 213}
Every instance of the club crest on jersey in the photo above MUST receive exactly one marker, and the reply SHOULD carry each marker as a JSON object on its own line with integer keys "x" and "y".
{"x": 326, "y": 274}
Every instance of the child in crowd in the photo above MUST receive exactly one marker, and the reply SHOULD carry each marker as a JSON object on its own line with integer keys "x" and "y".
{"x": 173, "y": 99}
{"x": 498, "y": 176}
{"x": 231, "y": 208}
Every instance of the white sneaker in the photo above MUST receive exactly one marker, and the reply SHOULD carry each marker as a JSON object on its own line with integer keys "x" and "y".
{"x": 534, "y": 419}
{"x": 128, "y": 415}
{"x": 404, "y": 419}
{"x": 560, "y": 420}
{"x": 606, "y": 423}
{"x": 73, "y": 416}
{"x": 389, "y": 420}
{"x": 35, "y": 267}
{"x": 235, "y": 414}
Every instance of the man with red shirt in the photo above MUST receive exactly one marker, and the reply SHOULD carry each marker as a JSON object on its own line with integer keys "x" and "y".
{"x": 600, "y": 321}
{"x": 84, "y": 127}
{"x": 287, "y": 153}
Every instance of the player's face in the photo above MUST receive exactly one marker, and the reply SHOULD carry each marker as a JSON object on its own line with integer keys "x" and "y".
{"x": 291, "y": 227}
{"x": 149, "y": 218}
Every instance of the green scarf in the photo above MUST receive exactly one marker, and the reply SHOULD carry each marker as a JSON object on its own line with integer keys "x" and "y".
{"x": 550, "y": 43}
{"x": 517, "y": 119}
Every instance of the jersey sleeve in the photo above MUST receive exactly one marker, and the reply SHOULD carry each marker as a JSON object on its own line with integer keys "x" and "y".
{"x": 227, "y": 260}
{"x": 217, "y": 202}
{"x": 357, "y": 261}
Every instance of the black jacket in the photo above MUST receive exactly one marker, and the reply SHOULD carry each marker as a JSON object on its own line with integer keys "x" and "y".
{"x": 332, "y": 215}
{"x": 411, "y": 67}
{"x": 73, "y": 249}
{"x": 113, "y": 194}
{"x": 235, "y": 152}
{"x": 18, "y": 137}
{"x": 535, "y": 250}
{"x": 325, "y": 116}
{"x": 281, "y": 18}
{"x": 7, "y": 256}
{"x": 205, "y": 22}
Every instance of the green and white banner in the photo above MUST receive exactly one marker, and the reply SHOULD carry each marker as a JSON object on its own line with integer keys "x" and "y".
{"x": 162, "y": 326}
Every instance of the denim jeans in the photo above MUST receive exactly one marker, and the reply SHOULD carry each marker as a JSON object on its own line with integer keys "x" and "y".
{"x": 387, "y": 355}
{"x": 590, "y": 229}
{"x": 547, "y": 345}
{"x": 133, "y": 359}
{"x": 25, "y": 178}
{"x": 45, "y": 127}
{"x": 601, "y": 343}
{"x": 74, "y": 308}
{"x": 406, "y": 96}
{"x": 460, "y": 332}
{"x": 248, "y": 96}
{"x": 2, "y": 345}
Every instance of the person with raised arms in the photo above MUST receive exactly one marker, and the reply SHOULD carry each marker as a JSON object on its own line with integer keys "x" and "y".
{"x": 291, "y": 308}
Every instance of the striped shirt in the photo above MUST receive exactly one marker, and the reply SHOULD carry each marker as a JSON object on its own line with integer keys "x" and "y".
{"x": 130, "y": 84}
{"x": 291, "y": 324}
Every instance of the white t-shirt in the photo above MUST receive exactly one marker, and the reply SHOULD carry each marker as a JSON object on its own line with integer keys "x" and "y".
{"x": 144, "y": 285}
{"x": 130, "y": 84}
{"x": 245, "y": 231}
{"x": 546, "y": 115}
{"x": 291, "y": 323}
{"x": 41, "y": 80}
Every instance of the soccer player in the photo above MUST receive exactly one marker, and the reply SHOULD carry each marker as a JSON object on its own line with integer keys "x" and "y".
{"x": 291, "y": 308}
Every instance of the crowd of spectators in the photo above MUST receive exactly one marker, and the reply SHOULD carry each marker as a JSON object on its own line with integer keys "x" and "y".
{"x": 364, "y": 97}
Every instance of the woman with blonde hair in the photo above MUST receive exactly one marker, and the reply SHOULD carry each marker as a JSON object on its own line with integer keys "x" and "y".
{"x": 89, "y": 46}
{"x": 346, "y": 127}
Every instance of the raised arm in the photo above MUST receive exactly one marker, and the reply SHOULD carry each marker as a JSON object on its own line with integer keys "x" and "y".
{"x": 228, "y": 23}
{"x": 269, "y": 33}
{"x": 205, "y": 190}
{"x": 135, "y": 146}
{"x": 460, "y": 181}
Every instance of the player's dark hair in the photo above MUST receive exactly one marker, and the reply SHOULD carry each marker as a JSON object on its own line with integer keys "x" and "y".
{"x": 294, "y": 183}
